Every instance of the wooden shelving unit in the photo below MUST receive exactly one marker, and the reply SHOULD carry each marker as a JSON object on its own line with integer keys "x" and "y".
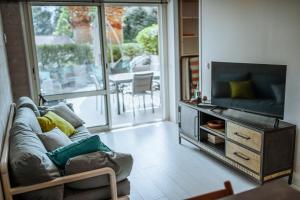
{"x": 189, "y": 43}
{"x": 189, "y": 27}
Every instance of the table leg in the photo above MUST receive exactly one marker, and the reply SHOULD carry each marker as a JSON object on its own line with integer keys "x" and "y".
{"x": 118, "y": 99}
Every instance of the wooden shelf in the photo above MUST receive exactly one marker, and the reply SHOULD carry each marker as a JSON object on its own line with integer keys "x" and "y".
{"x": 190, "y": 18}
{"x": 218, "y": 132}
{"x": 219, "y": 148}
{"x": 190, "y": 36}
{"x": 195, "y": 54}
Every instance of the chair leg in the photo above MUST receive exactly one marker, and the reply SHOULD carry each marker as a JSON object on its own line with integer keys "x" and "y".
{"x": 152, "y": 101}
{"x": 139, "y": 101}
{"x": 144, "y": 102}
{"x": 123, "y": 102}
{"x": 133, "y": 109}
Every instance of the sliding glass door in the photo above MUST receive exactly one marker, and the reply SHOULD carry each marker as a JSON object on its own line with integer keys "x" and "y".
{"x": 69, "y": 61}
{"x": 132, "y": 40}
{"x": 87, "y": 55}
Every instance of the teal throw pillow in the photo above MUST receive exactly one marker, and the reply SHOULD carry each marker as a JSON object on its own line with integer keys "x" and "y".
{"x": 91, "y": 144}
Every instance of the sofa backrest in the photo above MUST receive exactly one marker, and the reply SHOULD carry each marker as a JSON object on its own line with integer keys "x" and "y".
{"x": 28, "y": 103}
{"x": 25, "y": 119}
{"x": 28, "y": 161}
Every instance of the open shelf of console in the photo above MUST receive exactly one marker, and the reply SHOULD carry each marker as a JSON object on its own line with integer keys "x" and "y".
{"x": 219, "y": 147}
{"x": 218, "y": 132}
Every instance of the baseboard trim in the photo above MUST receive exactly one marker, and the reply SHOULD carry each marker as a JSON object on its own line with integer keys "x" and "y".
{"x": 296, "y": 181}
{"x": 296, "y": 187}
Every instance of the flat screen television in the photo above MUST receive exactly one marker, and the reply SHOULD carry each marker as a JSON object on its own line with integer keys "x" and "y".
{"x": 256, "y": 88}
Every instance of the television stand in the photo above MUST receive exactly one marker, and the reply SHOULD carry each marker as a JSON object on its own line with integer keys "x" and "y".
{"x": 262, "y": 150}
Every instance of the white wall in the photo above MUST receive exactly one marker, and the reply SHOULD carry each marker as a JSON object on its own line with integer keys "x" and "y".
{"x": 258, "y": 31}
{"x": 5, "y": 92}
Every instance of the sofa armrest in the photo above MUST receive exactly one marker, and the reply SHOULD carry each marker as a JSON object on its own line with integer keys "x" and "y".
{"x": 72, "y": 178}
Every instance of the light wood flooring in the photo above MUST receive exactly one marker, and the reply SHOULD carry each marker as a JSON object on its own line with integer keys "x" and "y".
{"x": 165, "y": 170}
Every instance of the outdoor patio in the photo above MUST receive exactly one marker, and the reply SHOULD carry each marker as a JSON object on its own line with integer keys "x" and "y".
{"x": 92, "y": 110}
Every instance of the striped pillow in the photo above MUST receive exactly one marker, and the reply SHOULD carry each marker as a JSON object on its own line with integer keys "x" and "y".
{"x": 194, "y": 69}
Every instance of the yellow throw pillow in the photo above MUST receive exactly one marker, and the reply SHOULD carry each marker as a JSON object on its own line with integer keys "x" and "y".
{"x": 52, "y": 120}
{"x": 241, "y": 89}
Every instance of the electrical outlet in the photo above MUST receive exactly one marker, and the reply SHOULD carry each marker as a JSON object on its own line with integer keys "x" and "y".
{"x": 208, "y": 65}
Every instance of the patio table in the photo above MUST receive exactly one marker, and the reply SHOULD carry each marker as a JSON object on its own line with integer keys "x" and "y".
{"x": 118, "y": 79}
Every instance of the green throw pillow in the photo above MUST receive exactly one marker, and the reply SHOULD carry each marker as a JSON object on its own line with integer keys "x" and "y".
{"x": 241, "y": 89}
{"x": 52, "y": 120}
{"x": 91, "y": 144}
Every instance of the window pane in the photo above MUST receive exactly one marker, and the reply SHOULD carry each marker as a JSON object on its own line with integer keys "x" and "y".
{"x": 68, "y": 49}
{"x": 132, "y": 37}
{"x": 90, "y": 109}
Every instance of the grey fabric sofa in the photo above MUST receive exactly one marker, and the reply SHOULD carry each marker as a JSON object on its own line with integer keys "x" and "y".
{"x": 28, "y": 163}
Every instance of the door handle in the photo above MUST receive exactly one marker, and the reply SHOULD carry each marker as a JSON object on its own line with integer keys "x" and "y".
{"x": 195, "y": 125}
{"x": 179, "y": 117}
{"x": 242, "y": 156}
{"x": 242, "y": 136}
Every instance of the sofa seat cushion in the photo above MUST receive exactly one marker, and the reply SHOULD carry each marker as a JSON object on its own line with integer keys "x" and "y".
{"x": 54, "y": 139}
{"x": 82, "y": 133}
{"x": 123, "y": 189}
{"x": 28, "y": 161}
{"x": 120, "y": 163}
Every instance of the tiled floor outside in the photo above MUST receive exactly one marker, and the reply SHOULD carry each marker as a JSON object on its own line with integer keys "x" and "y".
{"x": 92, "y": 110}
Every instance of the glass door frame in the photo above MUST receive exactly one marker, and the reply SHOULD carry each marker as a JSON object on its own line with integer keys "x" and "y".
{"x": 163, "y": 54}
{"x": 32, "y": 54}
{"x": 30, "y": 51}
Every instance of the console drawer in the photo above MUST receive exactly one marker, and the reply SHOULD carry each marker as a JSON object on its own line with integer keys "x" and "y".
{"x": 245, "y": 136}
{"x": 243, "y": 156}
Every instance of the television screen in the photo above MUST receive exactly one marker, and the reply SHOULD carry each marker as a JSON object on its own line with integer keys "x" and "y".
{"x": 258, "y": 88}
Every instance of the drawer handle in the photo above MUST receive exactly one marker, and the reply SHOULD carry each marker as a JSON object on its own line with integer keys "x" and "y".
{"x": 242, "y": 136}
{"x": 240, "y": 155}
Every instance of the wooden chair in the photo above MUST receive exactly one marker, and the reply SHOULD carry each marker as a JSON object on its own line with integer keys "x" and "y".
{"x": 216, "y": 194}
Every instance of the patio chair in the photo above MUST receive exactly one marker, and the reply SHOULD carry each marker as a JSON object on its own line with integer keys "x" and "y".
{"x": 112, "y": 89}
{"x": 141, "y": 86}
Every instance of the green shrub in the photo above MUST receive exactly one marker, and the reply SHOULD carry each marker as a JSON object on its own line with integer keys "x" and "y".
{"x": 50, "y": 56}
{"x": 128, "y": 49}
{"x": 136, "y": 19}
{"x": 116, "y": 51}
{"x": 148, "y": 38}
{"x": 132, "y": 50}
